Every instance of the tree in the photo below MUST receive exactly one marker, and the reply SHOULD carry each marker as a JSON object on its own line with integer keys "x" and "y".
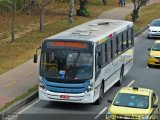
{"x": 71, "y": 10}
{"x": 14, "y": 6}
{"x": 137, "y": 5}
{"x": 41, "y": 5}
{"x": 30, "y": 6}
{"x": 83, "y": 11}
{"x": 104, "y": 2}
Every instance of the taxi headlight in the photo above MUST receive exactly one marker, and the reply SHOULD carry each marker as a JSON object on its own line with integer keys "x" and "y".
{"x": 149, "y": 30}
{"x": 151, "y": 56}
{"x": 145, "y": 117}
{"x": 109, "y": 115}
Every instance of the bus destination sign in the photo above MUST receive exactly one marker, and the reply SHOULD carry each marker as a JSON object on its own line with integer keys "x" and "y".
{"x": 78, "y": 45}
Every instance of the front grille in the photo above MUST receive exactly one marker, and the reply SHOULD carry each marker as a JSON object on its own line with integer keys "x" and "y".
{"x": 157, "y": 62}
{"x": 155, "y": 34}
{"x": 157, "y": 58}
{"x": 126, "y": 117}
{"x": 60, "y": 87}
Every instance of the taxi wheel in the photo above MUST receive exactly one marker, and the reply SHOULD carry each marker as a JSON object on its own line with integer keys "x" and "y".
{"x": 148, "y": 37}
{"x": 99, "y": 100}
{"x": 149, "y": 65}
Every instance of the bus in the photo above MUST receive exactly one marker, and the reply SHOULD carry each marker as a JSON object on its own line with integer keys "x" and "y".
{"x": 80, "y": 64}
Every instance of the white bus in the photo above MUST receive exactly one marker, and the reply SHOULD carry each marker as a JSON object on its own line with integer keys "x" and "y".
{"x": 82, "y": 63}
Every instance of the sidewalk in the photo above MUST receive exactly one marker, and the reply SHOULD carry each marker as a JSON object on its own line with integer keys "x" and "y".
{"x": 120, "y": 13}
{"x": 18, "y": 80}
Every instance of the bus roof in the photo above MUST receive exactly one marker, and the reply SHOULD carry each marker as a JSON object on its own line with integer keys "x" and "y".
{"x": 94, "y": 31}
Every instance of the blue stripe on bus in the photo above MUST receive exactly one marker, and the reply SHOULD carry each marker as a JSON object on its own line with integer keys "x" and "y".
{"x": 65, "y": 90}
{"x": 66, "y": 87}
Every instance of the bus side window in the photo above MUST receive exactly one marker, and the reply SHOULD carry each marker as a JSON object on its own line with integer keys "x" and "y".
{"x": 106, "y": 53}
{"x": 116, "y": 46}
{"x": 111, "y": 41}
{"x": 119, "y": 44}
{"x": 127, "y": 39}
{"x": 109, "y": 50}
{"x": 132, "y": 37}
{"x": 124, "y": 40}
{"x": 98, "y": 61}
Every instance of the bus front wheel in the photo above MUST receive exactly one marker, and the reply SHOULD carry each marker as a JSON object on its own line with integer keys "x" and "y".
{"x": 101, "y": 93}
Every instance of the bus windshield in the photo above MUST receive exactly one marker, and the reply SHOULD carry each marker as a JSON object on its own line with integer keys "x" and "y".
{"x": 66, "y": 65}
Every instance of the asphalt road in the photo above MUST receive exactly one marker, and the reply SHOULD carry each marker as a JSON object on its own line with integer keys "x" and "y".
{"x": 140, "y": 75}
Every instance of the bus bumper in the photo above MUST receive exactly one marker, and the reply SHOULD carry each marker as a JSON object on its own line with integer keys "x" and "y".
{"x": 76, "y": 98}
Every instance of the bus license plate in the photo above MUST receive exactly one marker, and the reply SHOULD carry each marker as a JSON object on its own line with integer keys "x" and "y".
{"x": 64, "y": 97}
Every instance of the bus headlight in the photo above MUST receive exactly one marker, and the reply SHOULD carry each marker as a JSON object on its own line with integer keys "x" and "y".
{"x": 41, "y": 85}
{"x": 41, "y": 78}
{"x": 89, "y": 88}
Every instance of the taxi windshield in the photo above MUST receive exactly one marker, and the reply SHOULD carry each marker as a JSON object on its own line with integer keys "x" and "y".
{"x": 132, "y": 100}
{"x": 156, "y": 47}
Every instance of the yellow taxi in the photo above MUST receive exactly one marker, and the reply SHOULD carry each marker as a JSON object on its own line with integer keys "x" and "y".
{"x": 133, "y": 103}
{"x": 154, "y": 54}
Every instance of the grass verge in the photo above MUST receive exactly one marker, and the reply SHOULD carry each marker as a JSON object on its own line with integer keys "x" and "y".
{"x": 30, "y": 91}
{"x": 147, "y": 14}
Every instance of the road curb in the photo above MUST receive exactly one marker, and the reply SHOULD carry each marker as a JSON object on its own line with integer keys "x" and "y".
{"x": 18, "y": 105}
{"x": 141, "y": 31}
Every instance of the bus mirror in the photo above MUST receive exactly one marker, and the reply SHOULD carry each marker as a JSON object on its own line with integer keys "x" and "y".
{"x": 149, "y": 49}
{"x": 35, "y": 58}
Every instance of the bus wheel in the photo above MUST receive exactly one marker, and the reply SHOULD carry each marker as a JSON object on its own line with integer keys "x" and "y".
{"x": 99, "y": 100}
{"x": 119, "y": 83}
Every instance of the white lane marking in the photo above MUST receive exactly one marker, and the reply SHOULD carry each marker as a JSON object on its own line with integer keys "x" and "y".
{"x": 131, "y": 83}
{"x": 147, "y": 67}
{"x": 28, "y": 106}
{"x": 99, "y": 114}
{"x": 104, "y": 109}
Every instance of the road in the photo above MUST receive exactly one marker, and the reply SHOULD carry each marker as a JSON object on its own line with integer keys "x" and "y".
{"x": 140, "y": 75}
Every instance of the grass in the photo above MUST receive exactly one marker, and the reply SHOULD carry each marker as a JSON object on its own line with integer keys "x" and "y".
{"x": 147, "y": 14}
{"x": 30, "y": 91}
{"x": 18, "y": 52}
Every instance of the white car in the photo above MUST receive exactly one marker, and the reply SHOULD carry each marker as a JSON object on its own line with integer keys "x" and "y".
{"x": 154, "y": 29}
